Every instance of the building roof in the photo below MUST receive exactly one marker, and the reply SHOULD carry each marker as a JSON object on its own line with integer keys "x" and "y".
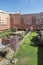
{"x": 2, "y": 11}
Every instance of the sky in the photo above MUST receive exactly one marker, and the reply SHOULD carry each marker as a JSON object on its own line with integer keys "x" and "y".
{"x": 22, "y": 6}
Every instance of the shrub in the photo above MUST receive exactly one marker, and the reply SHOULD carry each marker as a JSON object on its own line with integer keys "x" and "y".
{"x": 14, "y": 30}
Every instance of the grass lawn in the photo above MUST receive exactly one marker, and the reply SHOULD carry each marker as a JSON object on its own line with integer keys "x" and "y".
{"x": 27, "y": 54}
{"x": 5, "y": 33}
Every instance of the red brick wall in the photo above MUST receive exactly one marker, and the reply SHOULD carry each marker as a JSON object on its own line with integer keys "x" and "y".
{"x": 22, "y": 21}
{"x": 15, "y": 21}
{"x": 11, "y": 21}
{"x": 25, "y": 21}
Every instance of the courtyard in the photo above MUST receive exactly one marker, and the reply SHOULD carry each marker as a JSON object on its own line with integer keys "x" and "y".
{"x": 28, "y": 53}
{"x": 21, "y": 32}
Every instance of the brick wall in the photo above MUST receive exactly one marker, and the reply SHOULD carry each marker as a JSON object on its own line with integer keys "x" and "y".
{"x": 21, "y": 21}
{"x": 25, "y": 21}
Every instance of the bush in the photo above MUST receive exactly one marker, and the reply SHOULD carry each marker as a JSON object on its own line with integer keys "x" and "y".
{"x": 26, "y": 30}
{"x": 14, "y": 30}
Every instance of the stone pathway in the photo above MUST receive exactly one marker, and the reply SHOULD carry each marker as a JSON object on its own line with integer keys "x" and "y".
{"x": 9, "y": 56}
{"x": 10, "y": 51}
{"x": 24, "y": 38}
{"x": 19, "y": 32}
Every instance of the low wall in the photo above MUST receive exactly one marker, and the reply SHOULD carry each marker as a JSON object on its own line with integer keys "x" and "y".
{"x": 5, "y": 41}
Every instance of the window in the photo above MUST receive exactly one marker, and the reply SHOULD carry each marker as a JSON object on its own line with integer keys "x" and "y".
{"x": 3, "y": 22}
{"x": 33, "y": 20}
{"x": 38, "y": 17}
{"x": 41, "y": 17}
{"x": 41, "y": 22}
{"x": 22, "y": 20}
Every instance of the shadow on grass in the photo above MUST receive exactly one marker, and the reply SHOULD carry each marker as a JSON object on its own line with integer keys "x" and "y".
{"x": 34, "y": 41}
{"x": 40, "y": 50}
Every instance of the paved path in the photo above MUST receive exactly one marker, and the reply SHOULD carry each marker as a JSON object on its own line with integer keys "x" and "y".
{"x": 24, "y": 38}
{"x": 19, "y": 32}
{"x": 2, "y": 47}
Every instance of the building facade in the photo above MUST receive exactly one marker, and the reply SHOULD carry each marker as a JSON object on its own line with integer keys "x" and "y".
{"x": 27, "y": 21}
{"x": 21, "y": 21}
{"x": 4, "y": 20}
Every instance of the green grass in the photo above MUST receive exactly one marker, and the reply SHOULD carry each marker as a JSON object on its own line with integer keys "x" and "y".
{"x": 5, "y": 33}
{"x": 27, "y": 54}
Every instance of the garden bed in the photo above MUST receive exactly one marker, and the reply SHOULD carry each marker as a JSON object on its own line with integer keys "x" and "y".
{"x": 20, "y": 35}
{"x": 27, "y": 54}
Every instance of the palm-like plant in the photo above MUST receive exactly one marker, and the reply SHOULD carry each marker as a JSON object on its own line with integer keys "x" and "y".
{"x": 40, "y": 38}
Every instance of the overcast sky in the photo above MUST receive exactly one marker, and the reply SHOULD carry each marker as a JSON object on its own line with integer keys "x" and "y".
{"x": 22, "y": 6}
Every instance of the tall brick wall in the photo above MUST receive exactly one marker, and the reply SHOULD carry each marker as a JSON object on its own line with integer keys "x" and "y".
{"x": 21, "y": 21}
{"x": 11, "y": 21}
{"x": 26, "y": 21}
{"x": 15, "y": 21}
